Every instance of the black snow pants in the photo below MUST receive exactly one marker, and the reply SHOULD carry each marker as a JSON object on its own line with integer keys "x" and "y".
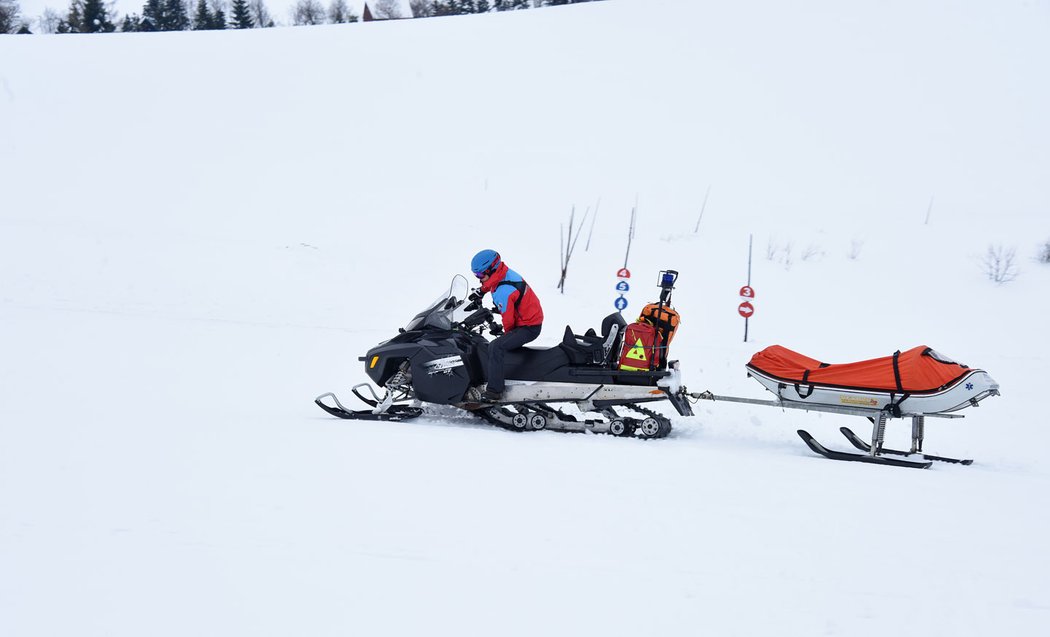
{"x": 499, "y": 347}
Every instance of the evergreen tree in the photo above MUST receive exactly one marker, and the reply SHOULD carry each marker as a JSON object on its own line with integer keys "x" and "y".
{"x": 74, "y": 18}
{"x": 131, "y": 24}
{"x": 463, "y": 7}
{"x": 445, "y": 7}
{"x": 207, "y": 19}
{"x": 242, "y": 17}
{"x": 96, "y": 18}
{"x": 176, "y": 18}
{"x": 154, "y": 16}
{"x": 166, "y": 15}
{"x": 202, "y": 18}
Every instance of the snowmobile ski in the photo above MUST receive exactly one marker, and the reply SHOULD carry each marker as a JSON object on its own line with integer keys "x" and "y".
{"x": 393, "y": 413}
{"x": 859, "y": 457}
{"x": 861, "y": 444}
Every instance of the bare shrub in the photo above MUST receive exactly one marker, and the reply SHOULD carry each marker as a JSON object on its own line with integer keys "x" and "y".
{"x": 260, "y": 14}
{"x": 772, "y": 248}
{"x": 813, "y": 252}
{"x": 855, "y": 247}
{"x": 1000, "y": 264}
{"x": 779, "y": 253}
{"x": 1044, "y": 253}
{"x": 568, "y": 244}
{"x": 338, "y": 12}
{"x": 308, "y": 12}
{"x": 387, "y": 9}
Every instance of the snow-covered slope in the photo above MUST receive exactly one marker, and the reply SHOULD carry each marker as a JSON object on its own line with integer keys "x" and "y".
{"x": 200, "y": 232}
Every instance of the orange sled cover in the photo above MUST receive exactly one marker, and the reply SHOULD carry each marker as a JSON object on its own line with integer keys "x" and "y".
{"x": 919, "y": 369}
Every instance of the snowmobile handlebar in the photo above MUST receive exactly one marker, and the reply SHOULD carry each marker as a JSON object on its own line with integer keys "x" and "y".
{"x": 480, "y": 317}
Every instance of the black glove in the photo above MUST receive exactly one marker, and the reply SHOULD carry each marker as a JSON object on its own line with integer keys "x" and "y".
{"x": 475, "y": 301}
{"x": 496, "y": 329}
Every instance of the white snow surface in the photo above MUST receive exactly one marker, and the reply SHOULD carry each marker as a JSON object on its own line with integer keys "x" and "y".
{"x": 201, "y": 232}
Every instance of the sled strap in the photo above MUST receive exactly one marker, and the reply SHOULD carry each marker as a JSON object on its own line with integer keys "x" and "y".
{"x": 894, "y": 406}
{"x": 798, "y": 389}
{"x": 897, "y": 370}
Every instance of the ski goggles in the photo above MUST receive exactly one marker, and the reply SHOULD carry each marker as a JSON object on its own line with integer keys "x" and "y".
{"x": 489, "y": 270}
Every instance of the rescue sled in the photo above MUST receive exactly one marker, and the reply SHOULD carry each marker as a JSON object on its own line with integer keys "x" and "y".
{"x": 917, "y": 383}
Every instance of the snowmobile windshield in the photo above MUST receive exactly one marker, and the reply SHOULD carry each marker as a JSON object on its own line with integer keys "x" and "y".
{"x": 442, "y": 312}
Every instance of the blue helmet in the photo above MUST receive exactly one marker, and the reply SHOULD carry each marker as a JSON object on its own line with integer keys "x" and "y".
{"x": 485, "y": 262}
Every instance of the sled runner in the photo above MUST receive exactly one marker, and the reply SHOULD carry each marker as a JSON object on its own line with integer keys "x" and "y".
{"x": 918, "y": 384}
{"x": 439, "y": 358}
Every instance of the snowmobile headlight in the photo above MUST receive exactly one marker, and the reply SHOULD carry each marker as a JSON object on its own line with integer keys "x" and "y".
{"x": 375, "y": 359}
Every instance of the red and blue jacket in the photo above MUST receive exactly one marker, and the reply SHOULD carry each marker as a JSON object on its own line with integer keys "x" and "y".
{"x": 517, "y": 304}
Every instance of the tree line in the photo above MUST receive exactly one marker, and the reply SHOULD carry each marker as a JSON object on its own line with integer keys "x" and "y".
{"x": 96, "y": 16}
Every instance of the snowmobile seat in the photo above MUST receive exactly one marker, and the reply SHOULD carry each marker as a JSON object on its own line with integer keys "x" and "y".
{"x": 526, "y": 363}
{"x": 591, "y": 349}
{"x": 583, "y": 350}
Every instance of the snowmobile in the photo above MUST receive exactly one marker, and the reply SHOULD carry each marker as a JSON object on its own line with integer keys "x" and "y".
{"x": 439, "y": 358}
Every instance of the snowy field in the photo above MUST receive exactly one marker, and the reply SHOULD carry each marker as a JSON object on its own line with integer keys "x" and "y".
{"x": 201, "y": 232}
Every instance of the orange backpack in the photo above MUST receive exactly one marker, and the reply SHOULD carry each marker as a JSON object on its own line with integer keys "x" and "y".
{"x": 664, "y": 318}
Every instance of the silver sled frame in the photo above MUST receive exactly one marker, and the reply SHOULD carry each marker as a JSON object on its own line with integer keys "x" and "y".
{"x": 878, "y": 418}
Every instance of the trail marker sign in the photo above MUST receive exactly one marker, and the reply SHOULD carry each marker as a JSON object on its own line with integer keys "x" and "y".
{"x": 746, "y": 309}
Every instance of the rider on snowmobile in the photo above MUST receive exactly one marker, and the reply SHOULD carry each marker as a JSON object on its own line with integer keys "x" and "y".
{"x": 518, "y": 306}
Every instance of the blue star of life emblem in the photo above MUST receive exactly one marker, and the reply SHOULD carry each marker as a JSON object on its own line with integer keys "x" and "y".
{"x": 969, "y": 386}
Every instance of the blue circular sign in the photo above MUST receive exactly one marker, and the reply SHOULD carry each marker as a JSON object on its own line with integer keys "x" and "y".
{"x": 622, "y": 286}
{"x": 620, "y": 303}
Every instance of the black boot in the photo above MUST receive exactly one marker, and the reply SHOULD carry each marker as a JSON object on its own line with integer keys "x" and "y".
{"x": 491, "y": 396}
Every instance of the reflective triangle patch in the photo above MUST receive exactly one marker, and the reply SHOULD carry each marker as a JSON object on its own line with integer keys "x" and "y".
{"x": 637, "y": 352}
